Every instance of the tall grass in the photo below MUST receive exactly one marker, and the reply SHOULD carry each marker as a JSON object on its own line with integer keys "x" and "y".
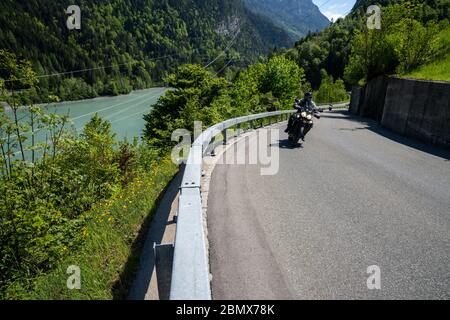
{"x": 439, "y": 69}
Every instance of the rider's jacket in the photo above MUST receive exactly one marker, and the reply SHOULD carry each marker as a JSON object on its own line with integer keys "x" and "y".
{"x": 305, "y": 105}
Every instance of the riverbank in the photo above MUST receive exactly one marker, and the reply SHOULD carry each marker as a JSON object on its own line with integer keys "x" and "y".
{"x": 125, "y": 112}
{"x": 134, "y": 92}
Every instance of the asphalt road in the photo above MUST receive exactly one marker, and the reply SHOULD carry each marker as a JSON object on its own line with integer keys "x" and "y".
{"x": 354, "y": 195}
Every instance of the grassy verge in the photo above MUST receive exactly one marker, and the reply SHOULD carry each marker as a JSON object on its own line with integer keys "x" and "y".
{"x": 111, "y": 251}
{"x": 437, "y": 70}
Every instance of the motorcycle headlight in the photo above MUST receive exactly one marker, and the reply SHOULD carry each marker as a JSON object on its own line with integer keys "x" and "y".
{"x": 303, "y": 114}
{"x": 309, "y": 117}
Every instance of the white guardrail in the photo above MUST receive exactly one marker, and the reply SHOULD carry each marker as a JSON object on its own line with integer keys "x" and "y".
{"x": 190, "y": 268}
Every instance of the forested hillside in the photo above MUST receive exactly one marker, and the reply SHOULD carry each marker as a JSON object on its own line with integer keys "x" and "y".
{"x": 348, "y": 50}
{"x": 138, "y": 41}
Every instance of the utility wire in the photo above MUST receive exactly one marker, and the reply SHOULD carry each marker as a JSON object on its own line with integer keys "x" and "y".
{"x": 90, "y": 69}
{"x": 99, "y": 68}
{"x": 223, "y": 51}
{"x": 127, "y": 63}
{"x": 229, "y": 62}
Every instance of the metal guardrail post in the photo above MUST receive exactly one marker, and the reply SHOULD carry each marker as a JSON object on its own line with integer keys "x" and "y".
{"x": 225, "y": 136}
{"x": 213, "y": 150}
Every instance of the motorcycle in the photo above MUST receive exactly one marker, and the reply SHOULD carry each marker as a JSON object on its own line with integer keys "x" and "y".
{"x": 301, "y": 121}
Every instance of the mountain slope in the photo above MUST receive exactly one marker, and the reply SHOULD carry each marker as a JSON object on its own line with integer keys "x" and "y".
{"x": 363, "y": 4}
{"x": 298, "y": 17}
{"x": 330, "y": 50}
{"x": 127, "y": 35}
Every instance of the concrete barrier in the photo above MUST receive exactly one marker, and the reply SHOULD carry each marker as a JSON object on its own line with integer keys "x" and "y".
{"x": 418, "y": 109}
{"x": 374, "y": 98}
{"x": 415, "y": 108}
{"x": 368, "y": 101}
{"x": 397, "y": 104}
{"x": 354, "y": 100}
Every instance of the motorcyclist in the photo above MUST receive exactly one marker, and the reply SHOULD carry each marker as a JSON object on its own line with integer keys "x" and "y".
{"x": 305, "y": 104}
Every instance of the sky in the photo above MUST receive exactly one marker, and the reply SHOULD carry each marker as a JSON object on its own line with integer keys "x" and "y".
{"x": 334, "y": 8}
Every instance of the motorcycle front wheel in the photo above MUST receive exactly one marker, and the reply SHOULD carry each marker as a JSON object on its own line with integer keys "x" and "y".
{"x": 296, "y": 138}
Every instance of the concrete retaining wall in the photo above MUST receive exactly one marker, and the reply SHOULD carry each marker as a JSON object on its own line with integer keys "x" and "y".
{"x": 354, "y": 100}
{"x": 415, "y": 108}
{"x": 374, "y": 96}
{"x": 419, "y": 109}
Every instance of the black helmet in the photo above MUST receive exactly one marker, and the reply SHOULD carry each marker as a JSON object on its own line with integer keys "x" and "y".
{"x": 308, "y": 95}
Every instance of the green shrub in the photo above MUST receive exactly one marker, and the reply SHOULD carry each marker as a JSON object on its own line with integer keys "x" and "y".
{"x": 200, "y": 95}
{"x": 330, "y": 91}
{"x": 439, "y": 68}
{"x": 406, "y": 41}
{"x": 74, "y": 89}
{"x": 110, "y": 252}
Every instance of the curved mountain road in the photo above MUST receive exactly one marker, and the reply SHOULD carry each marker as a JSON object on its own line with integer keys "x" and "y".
{"x": 354, "y": 195}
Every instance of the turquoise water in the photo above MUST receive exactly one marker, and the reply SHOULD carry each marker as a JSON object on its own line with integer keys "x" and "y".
{"x": 125, "y": 113}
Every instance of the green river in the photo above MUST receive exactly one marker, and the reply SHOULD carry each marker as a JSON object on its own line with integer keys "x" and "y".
{"x": 124, "y": 112}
